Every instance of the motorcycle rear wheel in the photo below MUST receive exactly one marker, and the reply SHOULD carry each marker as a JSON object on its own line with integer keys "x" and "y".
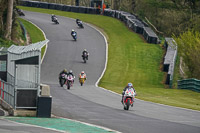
{"x": 68, "y": 87}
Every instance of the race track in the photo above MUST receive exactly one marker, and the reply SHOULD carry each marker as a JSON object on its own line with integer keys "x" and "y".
{"x": 90, "y": 103}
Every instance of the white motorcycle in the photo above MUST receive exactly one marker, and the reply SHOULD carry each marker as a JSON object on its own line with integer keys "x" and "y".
{"x": 128, "y": 98}
{"x": 69, "y": 81}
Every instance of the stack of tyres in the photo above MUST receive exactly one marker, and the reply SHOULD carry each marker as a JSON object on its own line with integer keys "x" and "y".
{"x": 82, "y": 9}
{"x": 52, "y": 5}
{"x": 91, "y": 10}
{"x": 29, "y": 3}
{"x": 23, "y": 2}
{"x": 74, "y": 9}
{"x": 35, "y": 4}
{"x": 59, "y": 7}
{"x": 43, "y": 5}
{"x": 66, "y": 8}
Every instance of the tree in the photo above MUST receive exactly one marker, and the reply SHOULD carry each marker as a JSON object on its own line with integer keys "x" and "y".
{"x": 189, "y": 48}
{"x": 9, "y": 20}
{"x": 3, "y": 8}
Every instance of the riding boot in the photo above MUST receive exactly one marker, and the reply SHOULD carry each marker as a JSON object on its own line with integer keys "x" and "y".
{"x": 122, "y": 100}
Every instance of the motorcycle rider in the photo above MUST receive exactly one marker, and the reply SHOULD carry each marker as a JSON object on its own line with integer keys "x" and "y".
{"x": 82, "y": 74}
{"x": 85, "y": 52}
{"x": 129, "y": 86}
{"x": 73, "y": 32}
{"x": 64, "y": 71}
{"x": 71, "y": 73}
{"x": 53, "y": 17}
{"x": 77, "y": 20}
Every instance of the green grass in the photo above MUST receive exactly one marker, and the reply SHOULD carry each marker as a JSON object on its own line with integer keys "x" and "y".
{"x": 5, "y": 43}
{"x": 130, "y": 59}
{"x": 35, "y": 34}
{"x": 17, "y": 33}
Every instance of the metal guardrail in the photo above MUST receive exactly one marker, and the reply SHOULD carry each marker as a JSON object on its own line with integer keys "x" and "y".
{"x": 24, "y": 29}
{"x": 190, "y": 84}
{"x": 170, "y": 59}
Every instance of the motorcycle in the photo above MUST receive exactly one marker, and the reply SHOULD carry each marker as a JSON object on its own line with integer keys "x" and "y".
{"x": 69, "y": 81}
{"x": 55, "y": 20}
{"x": 85, "y": 57}
{"x": 20, "y": 12}
{"x": 82, "y": 79}
{"x": 62, "y": 79}
{"x": 128, "y": 98}
{"x": 80, "y": 24}
{"x": 74, "y": 35}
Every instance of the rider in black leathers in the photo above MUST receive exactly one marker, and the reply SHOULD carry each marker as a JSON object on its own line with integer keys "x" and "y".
{"x": 53, "y": 17}
{"x": 64, "y": 71}
{"x": 85, "y": 51}
{"x": 77, "y": 20}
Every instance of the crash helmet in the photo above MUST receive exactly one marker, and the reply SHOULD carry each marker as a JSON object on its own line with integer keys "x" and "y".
{"x": 130, "y": 85}
{"x": 65, "y": 70}
{"x": 85, "y": 49}
{"x": 70, "y": 71}
{"x": 72, "y": 30}
{"x": 52, "y": 14}
{"x": 82, "y": 72}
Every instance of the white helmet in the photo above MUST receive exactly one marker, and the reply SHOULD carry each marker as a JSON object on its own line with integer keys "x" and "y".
{"x": 73, "y": 30}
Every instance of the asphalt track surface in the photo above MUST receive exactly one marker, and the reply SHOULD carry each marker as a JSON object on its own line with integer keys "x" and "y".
{"x": 10, "y": 127}
{"x": 90, "y": 103}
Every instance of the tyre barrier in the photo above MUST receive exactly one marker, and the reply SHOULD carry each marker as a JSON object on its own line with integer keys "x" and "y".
{"x": 59, "y": 7}
{"x": 132, "y": 21}
{"x": 66, "y": 8}
{"x": 43, "y": 5}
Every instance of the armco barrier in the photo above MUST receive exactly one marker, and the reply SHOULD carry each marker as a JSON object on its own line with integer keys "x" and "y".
{"x": 24, "y": 30}
{"x": 170, "y": 59}
{"x": 190, "y": 84}
{"x": 132, "y": 21}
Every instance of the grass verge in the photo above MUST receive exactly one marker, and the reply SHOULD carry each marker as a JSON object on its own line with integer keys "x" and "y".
{"x": 130, "y": 59}
{"x": 35, "y": 34}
